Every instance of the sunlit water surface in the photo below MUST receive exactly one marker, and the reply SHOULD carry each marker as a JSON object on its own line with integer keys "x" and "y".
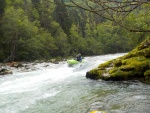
{"x": 63, "y": 89}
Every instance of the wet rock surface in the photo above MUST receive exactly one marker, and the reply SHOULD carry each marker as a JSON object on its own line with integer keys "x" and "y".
{"x": 133, "y": 66}
{"x": 17, "y": 67}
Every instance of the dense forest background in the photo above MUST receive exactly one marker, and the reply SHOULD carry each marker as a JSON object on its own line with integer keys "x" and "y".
{"x": 39, "y": 29}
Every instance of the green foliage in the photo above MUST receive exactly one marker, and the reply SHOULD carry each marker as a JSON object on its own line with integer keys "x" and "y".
{"x": 61, "y": 42}
{"x": 139, "y": 19}
{"x": 2, "y": 55}
{"x": 2, "y": 7}
{"x": 35, "y": 29}
{"x": 62, "y": 17}
{"x": 147, "y": 74}
{"x": 112, "y": 38}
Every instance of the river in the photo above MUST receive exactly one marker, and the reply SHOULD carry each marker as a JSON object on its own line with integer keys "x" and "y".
{"x": 63, "y": 89}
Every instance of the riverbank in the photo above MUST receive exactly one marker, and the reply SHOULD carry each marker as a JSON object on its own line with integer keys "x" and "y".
{"x": 63, "y": 89}
{"x": 17, "y": 67}
{"x": 133, "y": 66}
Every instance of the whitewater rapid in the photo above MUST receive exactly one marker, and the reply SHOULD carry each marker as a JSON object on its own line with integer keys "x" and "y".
{"x": 63, "y": 89}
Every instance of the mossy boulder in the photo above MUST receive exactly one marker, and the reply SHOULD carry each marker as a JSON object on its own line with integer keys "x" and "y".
{"x": 133, "y": 66}
{"x": 147, "y": 74}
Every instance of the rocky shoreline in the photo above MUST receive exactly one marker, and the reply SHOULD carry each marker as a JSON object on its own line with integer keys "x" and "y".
{"x": 17, "y": 67}
{"x": 133, "y": 66}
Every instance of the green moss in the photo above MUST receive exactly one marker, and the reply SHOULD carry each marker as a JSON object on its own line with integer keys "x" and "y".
{"x": 117, "y": 62}
{"x": 130, "y": 68}
{"x": 133, "y": 59}
{"x": 147, "y": 52}
{"x": 147, "y": 74}
{"x": 113, "y": 70}
{"x": 118, "y": 75}
{"x": 144, "y": 44}
{"x": 127, "y": 68}
{"x": 122, "y": 75}
{"x": 134, "y": 65}
{"x": 104, "y": 65}
{"x": 142, "y": 49}
{"x": 95, "y": 74}
{"x": 93, "y": 71}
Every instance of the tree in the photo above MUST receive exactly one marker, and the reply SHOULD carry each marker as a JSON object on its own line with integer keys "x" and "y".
{"x": 61, "y": 43}
{"x": 2, "y": 7}
{"x": 11, "y": 22}
{"x": 114, "y": 10}
{"x": 62, "y": 17}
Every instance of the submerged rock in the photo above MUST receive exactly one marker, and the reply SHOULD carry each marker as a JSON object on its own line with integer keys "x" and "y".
{"x": 134, "y": 65}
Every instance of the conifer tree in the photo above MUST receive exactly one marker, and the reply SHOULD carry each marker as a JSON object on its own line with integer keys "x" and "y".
{"x": 62, "y": 16}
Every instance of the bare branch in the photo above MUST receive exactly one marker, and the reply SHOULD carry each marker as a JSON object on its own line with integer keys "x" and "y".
{"x": 112, "y": 10}
{"x": 91, "y": 10}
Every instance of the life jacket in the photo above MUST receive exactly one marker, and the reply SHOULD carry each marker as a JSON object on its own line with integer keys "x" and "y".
{"x": 79, "y": 58}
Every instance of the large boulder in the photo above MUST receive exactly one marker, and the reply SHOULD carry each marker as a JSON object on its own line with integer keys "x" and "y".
{"x": 133, "y": 66}
{"x": 5, "y": 72}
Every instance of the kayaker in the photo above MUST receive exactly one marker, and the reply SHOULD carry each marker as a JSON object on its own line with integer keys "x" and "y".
{"x": 79, "y": 57}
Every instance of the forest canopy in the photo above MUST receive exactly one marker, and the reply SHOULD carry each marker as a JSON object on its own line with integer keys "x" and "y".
{"x": 116, "y": 10}
{"x": 43, "y": 29}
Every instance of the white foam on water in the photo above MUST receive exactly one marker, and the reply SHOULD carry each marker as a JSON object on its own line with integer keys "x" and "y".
{"x": 23, "y": 90}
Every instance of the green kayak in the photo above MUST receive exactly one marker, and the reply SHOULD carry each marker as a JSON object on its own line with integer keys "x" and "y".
{"x": 73, "y": 62}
